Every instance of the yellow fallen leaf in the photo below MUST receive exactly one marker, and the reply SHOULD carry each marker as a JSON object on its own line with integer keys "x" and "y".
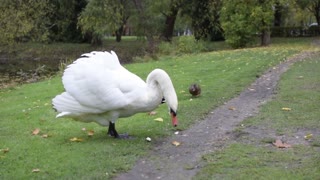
{"x": 4, "y": 150}
{"x": 75, "y": 139}
{"x": 36, "y": 131}
{"x": 35, "y": 170}
{"x": 286, "y": 109}
{"x": 159, "y": 119}
{"x": 308, "y": 136}
{"x": 176, "y": 143}
{"x": 91, "y": 133}
{"x": 45, "y": 135}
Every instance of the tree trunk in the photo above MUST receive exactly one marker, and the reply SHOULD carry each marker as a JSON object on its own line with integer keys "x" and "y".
{"x": 119, "y": 33}
{"x": 143, "y": 22}
{"x": 169, "y": 25}
{"x": 265, "y": 38}
{"x": 277, "y": 14}
{"x": 96, "y": 40}
{"x": 316, "y": 8}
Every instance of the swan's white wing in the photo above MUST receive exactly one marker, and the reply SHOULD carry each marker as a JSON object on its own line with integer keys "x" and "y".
{"x": 98, "y": 81}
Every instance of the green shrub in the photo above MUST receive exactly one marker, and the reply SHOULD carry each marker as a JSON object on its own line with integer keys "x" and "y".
{"x": 182, "y": 45}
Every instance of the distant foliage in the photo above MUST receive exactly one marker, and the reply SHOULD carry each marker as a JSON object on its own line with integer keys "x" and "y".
{"x": 243, "y": 20}
{"x": 64, "y": 20}
{"x": 99, "y": 18}
{"x": 24, "y": 21}
{"x": 182, "y": 45}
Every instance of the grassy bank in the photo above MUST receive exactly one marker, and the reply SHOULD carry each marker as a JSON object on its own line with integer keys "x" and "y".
{"x": 254, "y": 157}
{"x": 50, "y": 154}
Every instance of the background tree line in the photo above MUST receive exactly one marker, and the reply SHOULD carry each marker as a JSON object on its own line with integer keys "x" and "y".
{"x": 236, "y": 21}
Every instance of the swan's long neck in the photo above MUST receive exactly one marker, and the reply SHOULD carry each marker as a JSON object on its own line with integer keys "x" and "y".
{"x": 160, "y": 79}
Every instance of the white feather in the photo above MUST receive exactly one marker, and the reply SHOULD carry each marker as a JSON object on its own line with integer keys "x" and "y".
{"x": 99, "y": 89}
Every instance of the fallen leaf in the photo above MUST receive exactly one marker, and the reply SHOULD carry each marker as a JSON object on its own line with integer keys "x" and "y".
{"x": 159, "y": 119}
{"x": 75, "y": 139}
{"x": 286, "y": 109}
{"x": 279, "y": 144}
{"x": 308, "y": 136}
{"x": 176, "y": 143}
{"x": 152, "y": 113}
{"x": 5, "y": 150}
{"x": 35, "y": 170}
{"x": 91, "y": 133}
{"x": 45, "y": 135}
{"x": 232, "y": 108}
{"x": 36, "y": 131}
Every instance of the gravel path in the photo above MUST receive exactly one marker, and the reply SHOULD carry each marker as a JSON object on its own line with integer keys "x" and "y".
{"x": 169, "y": 162}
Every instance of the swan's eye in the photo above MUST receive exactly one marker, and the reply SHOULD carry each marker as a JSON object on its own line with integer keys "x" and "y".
{"x": 163, "y": 100}
{"x": 173, "y": 112}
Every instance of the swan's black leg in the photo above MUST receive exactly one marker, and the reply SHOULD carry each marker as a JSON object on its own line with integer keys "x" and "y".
{"x": 112, "y": 130}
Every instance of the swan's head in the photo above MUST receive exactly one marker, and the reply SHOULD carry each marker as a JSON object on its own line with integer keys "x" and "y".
{"x": 163, "y": 81}
{"x": 174, "y": 117}
{"x": 172, "y": 103}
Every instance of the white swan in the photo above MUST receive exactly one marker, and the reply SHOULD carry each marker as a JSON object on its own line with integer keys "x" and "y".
{"x": 98, "y": 89}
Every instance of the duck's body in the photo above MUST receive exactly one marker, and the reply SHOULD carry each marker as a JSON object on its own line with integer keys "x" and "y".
{"x": 99, "y": 89}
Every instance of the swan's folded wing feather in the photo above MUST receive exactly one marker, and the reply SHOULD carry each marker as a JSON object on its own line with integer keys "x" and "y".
{"x": 99, "y": 81}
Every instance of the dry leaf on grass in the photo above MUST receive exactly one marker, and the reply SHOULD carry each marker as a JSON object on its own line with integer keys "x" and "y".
{"x": 45, "y": 136}
{"x": 36, "y": 131}
{"x": 5, "y": 150}
{"x": 279, "y": 144}
{"x": 35, "y": 170}
{"x": 91, "y": 133}
{"x": 176, "y": 143}
{"x": 286, "y": 109}
{"x": 159, "y": 119}
{"x": 152, "y": 113}
{"x": 75, "y": 139}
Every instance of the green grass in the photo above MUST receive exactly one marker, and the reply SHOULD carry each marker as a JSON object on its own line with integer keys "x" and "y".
{"x": 222, "y": 75}
{"x": 299, "y": 89}
{"x": 242, "y": 161}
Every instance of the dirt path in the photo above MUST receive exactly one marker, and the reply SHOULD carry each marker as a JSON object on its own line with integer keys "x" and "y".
{"x": 183, "y": 162}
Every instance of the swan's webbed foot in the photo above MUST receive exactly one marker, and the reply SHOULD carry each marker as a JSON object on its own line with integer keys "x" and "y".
{"x": 113, "y": 133}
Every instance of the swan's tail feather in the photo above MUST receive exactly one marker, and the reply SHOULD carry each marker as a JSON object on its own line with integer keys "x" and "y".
{"x": 66, "y": 105}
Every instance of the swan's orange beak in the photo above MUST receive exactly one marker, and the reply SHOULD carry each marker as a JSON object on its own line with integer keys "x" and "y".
{"x": 174, "y": 119}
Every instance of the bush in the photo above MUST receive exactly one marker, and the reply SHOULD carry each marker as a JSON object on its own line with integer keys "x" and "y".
{"x": 181, "y": 45}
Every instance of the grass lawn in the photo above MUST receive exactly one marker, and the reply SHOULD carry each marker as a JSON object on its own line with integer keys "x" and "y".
{"x": 50, "y": 154}
{"x": 299, "y": 90}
